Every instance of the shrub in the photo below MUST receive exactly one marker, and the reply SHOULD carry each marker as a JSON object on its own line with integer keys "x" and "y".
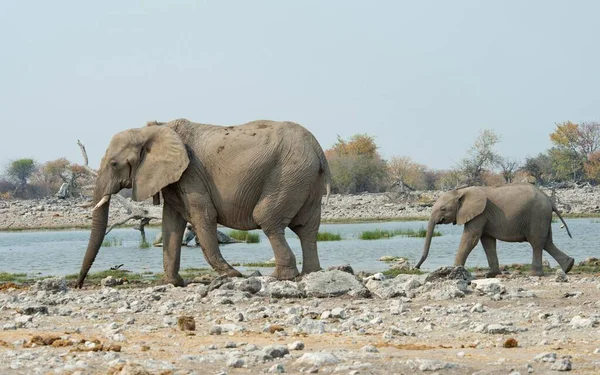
{"x": 245, "y": 236}
{"x": 110, "y": 242}
{"x": 379, "y": 233}
{"x": 328, "y": 236}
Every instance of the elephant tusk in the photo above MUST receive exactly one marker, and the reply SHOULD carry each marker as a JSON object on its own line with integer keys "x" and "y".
{"x": 101, "y": 203}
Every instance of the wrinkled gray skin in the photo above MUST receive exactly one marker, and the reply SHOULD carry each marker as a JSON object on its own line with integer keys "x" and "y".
{"x": 264, "y": 174}
{"x": 511, "y": 213}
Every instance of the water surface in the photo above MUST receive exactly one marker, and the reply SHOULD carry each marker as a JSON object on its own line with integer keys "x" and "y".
{"x": 61, "y": 252}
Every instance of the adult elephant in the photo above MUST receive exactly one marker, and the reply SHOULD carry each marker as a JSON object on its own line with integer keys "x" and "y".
{"x": 511, "y": 213}
{"x": 263, "y": 174}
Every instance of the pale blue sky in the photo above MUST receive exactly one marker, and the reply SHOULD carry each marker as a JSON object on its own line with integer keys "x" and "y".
{"x": 423, "y": 77}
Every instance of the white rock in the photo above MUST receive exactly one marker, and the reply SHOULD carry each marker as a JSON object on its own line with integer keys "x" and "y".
{"x": 433, "y": 364}
{"x": 236, "y": 363}
{"x": 580, "y": 322}
{"x": 296, "y": 345}
{"x": 318, "y": 359}
{"x": 338, "y": 312}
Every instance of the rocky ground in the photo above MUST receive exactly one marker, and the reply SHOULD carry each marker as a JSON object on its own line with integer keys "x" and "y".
{"x": 76, "y": 213}
{"x": 329, "y": 322}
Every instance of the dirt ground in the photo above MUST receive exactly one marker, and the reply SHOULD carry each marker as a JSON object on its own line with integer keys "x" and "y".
{"x": 445, "y": 336}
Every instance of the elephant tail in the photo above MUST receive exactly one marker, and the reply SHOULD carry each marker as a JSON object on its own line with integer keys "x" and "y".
{"x": 324, "y": 168}
{"x": 561, "y": 219}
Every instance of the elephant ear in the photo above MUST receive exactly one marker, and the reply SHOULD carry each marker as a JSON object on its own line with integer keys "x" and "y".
{"x": 163, "y": 159}
{"x": 472, "y": 202}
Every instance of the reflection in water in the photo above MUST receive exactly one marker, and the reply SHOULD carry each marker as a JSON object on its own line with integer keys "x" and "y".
{"x": 61, "y": 252}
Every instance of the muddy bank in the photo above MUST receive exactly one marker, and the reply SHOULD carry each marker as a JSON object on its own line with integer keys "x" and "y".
{"x": 330, "y": 322}
{"x": 53, "y": 213}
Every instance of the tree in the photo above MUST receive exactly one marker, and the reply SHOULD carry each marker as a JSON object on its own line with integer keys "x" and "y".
{"x": 509, "y": 168}
{"x": 356, "y": 166}
{"x": 573, "y": 146}
{"x": 540, "y": 167}
{"x": 62, "y": 172}
{"x": 480, "y": 156}
{"x": 592, "y": 167}
{"x": 405, "y": 171}
{"x": 19, "y": 171}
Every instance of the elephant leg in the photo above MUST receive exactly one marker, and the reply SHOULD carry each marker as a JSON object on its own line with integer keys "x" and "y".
{"x": 564, "y": 261}
{"x": 469, "y": 240}
{"x": 306, "y": 226}
{"x": 537, "y": 268}
{"x": 173, "y": 226}
{"x": 285, "y": 260}
{"x": 204, "y": 221}
{"x": 489, "y": 245}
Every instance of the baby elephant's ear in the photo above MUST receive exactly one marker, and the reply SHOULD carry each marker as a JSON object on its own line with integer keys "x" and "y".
{"x": 163, "y": 161}
{"x": 472, "y": 202}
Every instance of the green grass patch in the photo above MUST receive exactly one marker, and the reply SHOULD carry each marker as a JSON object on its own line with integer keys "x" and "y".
{"x": 382, "y": 233}
{"x": 328, "y": 236}
{"x": 258, "y": 264}
{"x": 244, "y": 236}
{"x": 391, "y": 273}
{"x": 13, "y": 277}
{"x": 113, "y": 241}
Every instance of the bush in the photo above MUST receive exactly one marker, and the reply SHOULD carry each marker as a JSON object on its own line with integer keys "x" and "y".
{"x": 110, "y": 242}
{"x": 328, "y": 236}
{"x": 244, "y": 236}
{"x": 379, "y": 233}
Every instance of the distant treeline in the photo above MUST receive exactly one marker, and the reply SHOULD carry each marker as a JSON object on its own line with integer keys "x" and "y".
{"x": 357, "y": 167}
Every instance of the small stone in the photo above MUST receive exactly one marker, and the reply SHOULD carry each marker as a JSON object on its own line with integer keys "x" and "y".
{"x": 338, "y": 312}
{"x": 511, "y": 343}
{"x": 433, "y": 365}
{"x": 215, "y": 330}
{"x": 597, "y": 351}
{"x": 277, "y": 369}
{"x": 230, "y": 345}
{"x": 110, "y": 281}
{"x": 236, "y": 363}
{"x": 296, "y": 345}
{"x": 369, "y": 349}
{"x": 478, "y": 307}
{"x": 22, "y": 319}
{"x": 580, "y": 322}
{"x": 564, "y": 364}
{"x": 344, "y": 268}
{"x": 545, "y": 357}
{"x": 186, "y": 323}
{"x": 318, "y": 359}
{"x": 32, "y": 310}
{"x": 275, "y": 351}
{"x": 561, "y": 276}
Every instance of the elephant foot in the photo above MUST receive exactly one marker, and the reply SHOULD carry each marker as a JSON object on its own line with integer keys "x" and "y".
{"x": 492, "y": 273}
{"x": 536, "y": 272}
{"x": 231, "y": 272}
{"x": 285, "y": 273}
{"x": 569, "y": 265}
{"x": 306, "y": 269}
{"x": 175, "y": 281}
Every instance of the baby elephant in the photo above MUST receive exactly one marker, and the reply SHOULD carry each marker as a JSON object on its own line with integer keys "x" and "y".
{"x": 511, "y": 213}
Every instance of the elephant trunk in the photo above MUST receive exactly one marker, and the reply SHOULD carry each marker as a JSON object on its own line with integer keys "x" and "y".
{"x": 99, "y": 223}
{"x": 429, "y": 234}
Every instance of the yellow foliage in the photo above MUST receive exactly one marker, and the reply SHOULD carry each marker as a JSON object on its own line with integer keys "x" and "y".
{"x": 566, "y": 135}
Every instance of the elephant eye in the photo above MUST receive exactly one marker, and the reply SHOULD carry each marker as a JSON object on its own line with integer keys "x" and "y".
{"x": 113, "y": 164}
{"x": 443, "y": 209}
